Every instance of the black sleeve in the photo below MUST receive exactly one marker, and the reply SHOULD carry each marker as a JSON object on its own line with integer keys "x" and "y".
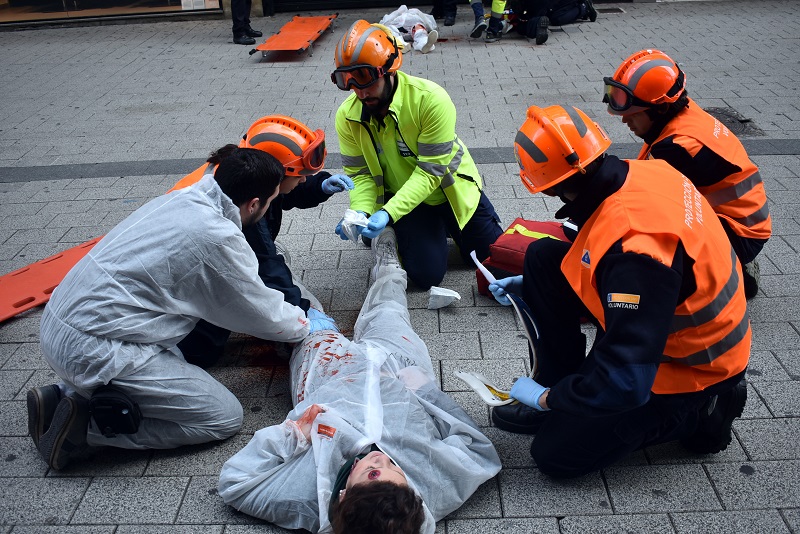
{"x": 704, "y": 169}
{"x": 272, "y": 268}
{"x": 639, "y": 296}
{"x": 309, "y": 194}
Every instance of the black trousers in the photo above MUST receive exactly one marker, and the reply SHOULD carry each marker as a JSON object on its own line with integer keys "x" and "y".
{"x": 568, "y": 444}
{"x": 240, "y": 13}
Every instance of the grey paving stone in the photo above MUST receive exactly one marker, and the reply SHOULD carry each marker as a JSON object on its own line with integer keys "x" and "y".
{"x": 465, "y": 319}
{"x": 259, "y": 413}
{"x": 461, "y": 345}
{"x": 757, "y": 485}
{"x": 54, "y": 504}
{"x": 205, "y": 459}
{"x": 13, "y": 419}
{"x": 110, "y": 500}
{"x": 645, "y": 523}
{"x": 169, "y": 529}
{"x": 244, "y": 381}
{"x": 202, "y": 504}
{"x": 745, "y": 521}
{"x": 790, "y": 360}
{"x": 11, "y": 382}
{"x": 28, "y": 356}
{"x": 784, "y": 434}
{"x": 501, "y": 373}
{"x": 528, "y": 493}
{"x": 515, "y": 526}
{"x": 264, "y": 528}
{"x": 660, "y": 488}
{"x": 65, "y": 529}
{"x": 513, "y": 449}
{"x": 485, "y": 502}
{"x": 782, "y": 398}
{"x": 792, "y": 517}
{"x": 21, "y": 459}
{"x": 765, "y": 366}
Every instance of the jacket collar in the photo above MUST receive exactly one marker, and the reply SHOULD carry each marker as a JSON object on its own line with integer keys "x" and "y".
{"x": 607, "y": 180}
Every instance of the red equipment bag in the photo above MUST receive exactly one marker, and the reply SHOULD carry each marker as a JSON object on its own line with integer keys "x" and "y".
{"x": 506, "y": 255}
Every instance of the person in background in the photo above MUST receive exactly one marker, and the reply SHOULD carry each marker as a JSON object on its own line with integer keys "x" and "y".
{"x": 648, "y": 91}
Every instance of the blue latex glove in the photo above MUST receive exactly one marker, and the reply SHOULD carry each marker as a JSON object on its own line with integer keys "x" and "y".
{"x": 336, "y": 184}
{"x": 528, "y": 391}
{"x": 320, "y": 321}
{"x": 512, "y": 284}
{"x": 377, "y": 223}
{"x": 357, "y": 229}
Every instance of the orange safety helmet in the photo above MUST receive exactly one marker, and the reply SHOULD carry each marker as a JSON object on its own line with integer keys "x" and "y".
{"x": 554, "y": 143}
{"x": 301, "y": 151}
{"x": 366, "y": 45}
{"x": 646, "y": 79}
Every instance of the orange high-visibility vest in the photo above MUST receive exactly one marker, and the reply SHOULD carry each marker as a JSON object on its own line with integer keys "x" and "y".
{"x": 655, "y": 208}
{"x": 740, "y": 198}
{"x": 194, "y": 176}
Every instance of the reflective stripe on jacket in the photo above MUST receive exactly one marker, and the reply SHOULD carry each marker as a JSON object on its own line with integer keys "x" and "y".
{"x": 655, "y": 208}
{"x": 739, "y": 197}
{"x": 414, "y": 154}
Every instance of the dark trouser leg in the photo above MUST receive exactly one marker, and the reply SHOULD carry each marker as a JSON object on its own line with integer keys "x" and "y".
{"x": 481, "y": 230}
{"x": 240, "y": 14}
{"x": 422, "y": 245}
{"x": 205, "y": 344}
{"x": 556, "y": 309}
{"x": 746, "y": 249}
{"x": 570, "y": 446}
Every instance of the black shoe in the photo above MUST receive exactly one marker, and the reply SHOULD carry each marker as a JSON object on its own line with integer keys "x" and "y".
{"x": 541, "y": 30}
{"x": 492, "y": 36}
{"x": 751, "y": 273}
{"x": 713, "y": 432}
{"x": 591, "y": 12}
{"x": 518, "y": 418}
{"x": 243, "y": 39}
{"x": 250, "y": 32}
{"x": 450, "y": 19}
{"x": 66, "y": 437}
{"x": 42, "y": 403}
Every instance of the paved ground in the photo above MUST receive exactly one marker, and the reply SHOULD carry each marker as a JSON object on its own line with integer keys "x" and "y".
{"x": 97, "y": 120}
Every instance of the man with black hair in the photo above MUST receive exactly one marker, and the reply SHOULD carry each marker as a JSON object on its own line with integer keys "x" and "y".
{"x": 648, "y": 91}
{"x": 113, "y": 324}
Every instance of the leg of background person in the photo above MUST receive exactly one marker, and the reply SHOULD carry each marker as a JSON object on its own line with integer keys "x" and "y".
{"x": 181, "y": 405}
{"x": 556, "y": 309}
{"x": 240, "y": 15}
{"x": 450, "y": 8}
{"x": 746, "y": 250}
{"x": 481, "y": 230}
{"x": 565, "y": 12}
{"x": 422, "y": 243}
{"x": 205, "y": 344}
{"x": 569, "y": 446}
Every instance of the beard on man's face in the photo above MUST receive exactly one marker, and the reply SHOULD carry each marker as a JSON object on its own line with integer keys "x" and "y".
{"x": 380, "y": 102}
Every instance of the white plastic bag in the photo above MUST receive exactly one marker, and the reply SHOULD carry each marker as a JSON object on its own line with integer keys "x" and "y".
{"x": 352, "y": 219}
{"x": 441, "y": 297}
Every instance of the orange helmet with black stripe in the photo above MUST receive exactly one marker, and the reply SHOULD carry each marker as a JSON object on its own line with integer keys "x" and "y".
{"x": 300, "y": 150}
{"x": 647, "y": 79}
{"x": 554, "y": 143}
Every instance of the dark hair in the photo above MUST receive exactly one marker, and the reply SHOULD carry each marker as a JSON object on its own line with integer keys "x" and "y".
{"x": 661, "y": 115}
{"x": 378, "y": 508}
{"x": 216, "y": 157}
{"x": 247, "y": 173}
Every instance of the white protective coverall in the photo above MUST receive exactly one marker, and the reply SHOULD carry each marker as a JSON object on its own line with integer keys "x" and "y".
{"x": 362, "y": 384}
{"x": 119, "y": 313}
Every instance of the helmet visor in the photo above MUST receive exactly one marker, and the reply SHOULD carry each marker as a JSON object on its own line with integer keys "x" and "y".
{"x": 620, "y": 99}
{"x": 314, "y": 154}
{"x": 358, "y": 76}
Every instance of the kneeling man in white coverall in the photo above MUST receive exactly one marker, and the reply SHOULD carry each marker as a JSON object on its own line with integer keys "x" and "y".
{"x": 373, "y": 444}
{"x": 111, "y": 327}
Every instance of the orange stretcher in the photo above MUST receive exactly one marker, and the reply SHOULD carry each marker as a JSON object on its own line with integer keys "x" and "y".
{"x": 297, "y": 35}
{"x": 31, "y": 286}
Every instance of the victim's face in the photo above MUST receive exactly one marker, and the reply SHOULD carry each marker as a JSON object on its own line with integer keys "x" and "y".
{"x": 373, "y": 467}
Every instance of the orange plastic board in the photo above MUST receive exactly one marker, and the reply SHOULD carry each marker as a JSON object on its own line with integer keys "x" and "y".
{"x": 298, "y": 34}
{"x": 31, "y": 286}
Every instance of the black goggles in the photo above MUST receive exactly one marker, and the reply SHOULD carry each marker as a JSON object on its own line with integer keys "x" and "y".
{"x": 620, "y": 98}
{"x": 358, "y": 76}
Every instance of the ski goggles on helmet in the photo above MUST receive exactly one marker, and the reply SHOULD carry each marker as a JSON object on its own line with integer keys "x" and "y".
{"x": 621, "y": 100}
{"x": 313, "y": 157}
{"x": 358, "y": 76}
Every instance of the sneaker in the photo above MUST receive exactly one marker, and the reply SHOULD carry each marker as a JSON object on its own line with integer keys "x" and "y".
{"x": 384, "y": 248}
{"x": 480, "y": 27}
{"x": 518, "y": 418}
{"x": 751, "y": 276}
{"x": 450, "y": 20}
{"x": 243, "y": 39}
{"x": 492, "y": 36}
{"x": 541, "y": 30}
{"x": 283, "y": 251}
{"x": 713, "y": 432}
{"x": 433, "y": 35}
{"x": 591, "y": 12}
{"x": 42, "y": 403}
{"x": 66, "y": 437}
